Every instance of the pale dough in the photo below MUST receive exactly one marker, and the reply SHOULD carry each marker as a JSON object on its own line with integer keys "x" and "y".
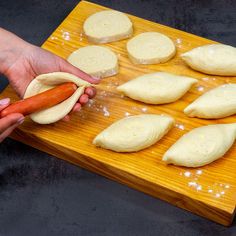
{"x": 134, "y": 133}
{"x": 95, "y": 60}
{"x": 216, "y": 103}
{"x": 47, "y": 81}
{"x": 150, "y": 48}
{"x": 107, "y": 26}
{"x": 157, "y": 88}
{"x": 201, "y": 145}
{"x": 214, "y": 59}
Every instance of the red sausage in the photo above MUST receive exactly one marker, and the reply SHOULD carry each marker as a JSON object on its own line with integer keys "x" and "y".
{"x": 41, "y": 101}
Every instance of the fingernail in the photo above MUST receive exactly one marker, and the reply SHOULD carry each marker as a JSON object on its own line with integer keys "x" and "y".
{"x": 21, "y": 120}
{"x": 66, "y": 118}
{"x": 4, "y": 101}
{"x": 77, "y": 109}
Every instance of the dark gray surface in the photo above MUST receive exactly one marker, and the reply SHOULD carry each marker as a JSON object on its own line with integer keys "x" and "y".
{"x": 41, "y": 195}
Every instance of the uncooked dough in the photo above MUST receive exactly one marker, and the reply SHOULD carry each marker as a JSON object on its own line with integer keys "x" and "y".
{"x": 216, "y": 103}
{"x": 214, "y": 59}
{"x": 157, "y": 88}
{"x": 47, "y": 81}
{"x": 95, "y": 60}
{"x": 134, "y": 133}
{"x": 150, "y": 48}
{"x": 201, "y": 145}
{"x": 107, "y": 26}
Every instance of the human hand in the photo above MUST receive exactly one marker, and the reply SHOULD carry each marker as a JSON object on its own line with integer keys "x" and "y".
{"x": 22, "y": 62}
{"x": 9, "y": 122}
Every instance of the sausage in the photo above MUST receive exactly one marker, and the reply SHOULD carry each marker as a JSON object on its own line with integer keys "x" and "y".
{"x": 41, "y": 101}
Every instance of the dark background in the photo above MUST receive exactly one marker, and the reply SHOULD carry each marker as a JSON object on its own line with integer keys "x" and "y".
{"x": 41, "y": 195}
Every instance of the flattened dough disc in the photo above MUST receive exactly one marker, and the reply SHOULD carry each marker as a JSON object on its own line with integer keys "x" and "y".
{"x": 150, "y": 48}
{"x": 95, "y": 60}
{"x": 107, "y": 26}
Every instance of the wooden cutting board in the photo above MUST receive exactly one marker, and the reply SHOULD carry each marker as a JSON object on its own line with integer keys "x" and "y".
{"x": 209, "y": 191}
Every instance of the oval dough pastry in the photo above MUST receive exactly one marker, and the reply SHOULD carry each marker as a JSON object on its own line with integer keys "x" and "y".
{"x": 201, "y": 145}
{"x": 216, "y": 103}
{"x": 95, "y": 60}
{"x": 214, "y": 59}
{"x": 47, "y": 81}
{"x": 134, "y": 133}
{"x": 150, "y": 48}
{"x": 107, "y": 26}
{"x": 157, "y": 88}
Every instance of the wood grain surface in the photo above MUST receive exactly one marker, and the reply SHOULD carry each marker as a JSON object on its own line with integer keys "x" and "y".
{"x": 209, "y": 191}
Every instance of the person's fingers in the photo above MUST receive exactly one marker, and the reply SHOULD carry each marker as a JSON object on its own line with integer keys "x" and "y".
{"x": 83, "y": 99}
{"x": 67, "y": 67}
{"x": 91, "y": 92}
{"x": 7, "y": 132}
{"x": 77, "y": 107}
{"x": 9, "y": 123}
{"x": 66, "y": 118}
{"x": 4, "y": 103}
{"x": 10, "y": 120}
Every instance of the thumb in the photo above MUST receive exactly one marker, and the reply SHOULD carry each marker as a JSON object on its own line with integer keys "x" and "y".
{"x": 67, "y": 67}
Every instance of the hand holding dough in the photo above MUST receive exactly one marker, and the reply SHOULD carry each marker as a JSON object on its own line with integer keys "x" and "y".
{"x": 201, "y": 145}
{"x": 134, "y": 133}
{"x": 95, "y": 60}
{"x": 107, "y": 26}
{"x": 47, "y": 81}
{"x": 150, "y": 48}
{"x": 214, "y": 59}
{"x": 216, "y": 103}
{"x": 157, "y": 88}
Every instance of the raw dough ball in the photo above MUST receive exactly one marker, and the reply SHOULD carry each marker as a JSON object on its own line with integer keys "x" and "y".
{"x": 134, "y": 133}
{"x": 150, "y": 48}
{"x": 47, "y": 81}
{"x": 157, "y": 88}
{"x": 107, "y": 26}
{"x": 95, "y": 60}
{"x": 214, "y": 59}
{"x": 201, "y": 145}
{"x": 216, "y": 103}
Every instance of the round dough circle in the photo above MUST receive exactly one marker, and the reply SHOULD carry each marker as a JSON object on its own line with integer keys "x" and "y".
{"x": 95, "y": 60}
{"x": 213, "y": 59}
{"x": 47, "y": 81}
{"x": 107, "y": 26}
{"x": 150, "y": 48}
